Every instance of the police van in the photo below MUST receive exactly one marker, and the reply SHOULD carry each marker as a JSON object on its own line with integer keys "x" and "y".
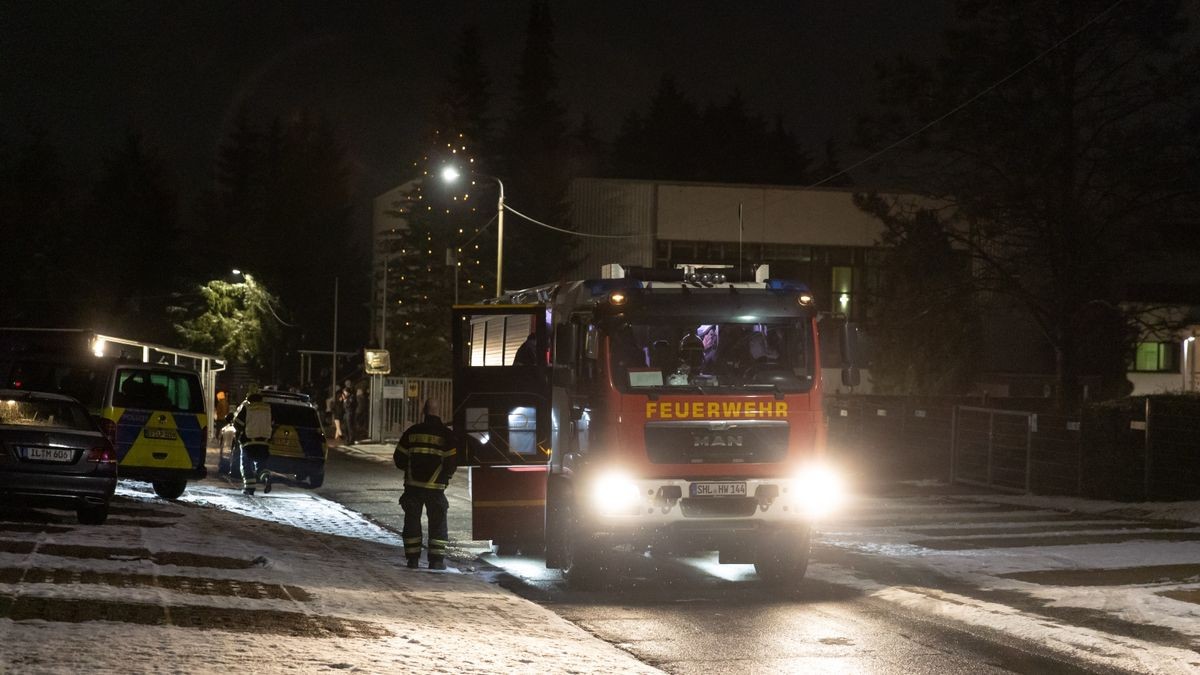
{"x": 297, "y": 443}
{"x": 154, "y": 414}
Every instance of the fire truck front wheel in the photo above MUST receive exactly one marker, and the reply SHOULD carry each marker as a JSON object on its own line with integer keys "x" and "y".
{"x": 782, "y": 557}
{"x": 580, "y": 556}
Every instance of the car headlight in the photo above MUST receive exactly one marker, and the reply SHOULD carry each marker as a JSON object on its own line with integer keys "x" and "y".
{"x": 614, "y": 493}
{"x": 818, "y": 490}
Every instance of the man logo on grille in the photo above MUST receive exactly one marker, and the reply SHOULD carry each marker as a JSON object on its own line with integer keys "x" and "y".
{"x": 717, "y": 441}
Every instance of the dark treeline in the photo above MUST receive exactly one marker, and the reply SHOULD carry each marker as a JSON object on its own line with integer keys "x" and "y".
{"x": 443, "y": 248}
{"x": 120, "y": 251}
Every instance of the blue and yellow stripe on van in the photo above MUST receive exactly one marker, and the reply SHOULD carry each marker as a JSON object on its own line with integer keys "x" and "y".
{"x": 298, "y": 442}
{"x": 158, "y": 440}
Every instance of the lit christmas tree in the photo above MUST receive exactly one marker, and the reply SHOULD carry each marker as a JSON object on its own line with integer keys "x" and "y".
{"x": 440, "y": 254}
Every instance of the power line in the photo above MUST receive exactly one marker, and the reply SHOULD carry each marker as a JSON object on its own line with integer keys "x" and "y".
{"x": 976, "y": 97}
{"x": 576, "y": 234}
{"x": 872, "y": 157}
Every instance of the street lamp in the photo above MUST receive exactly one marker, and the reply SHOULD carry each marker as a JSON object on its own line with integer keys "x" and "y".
{"x": 450, "y": 174}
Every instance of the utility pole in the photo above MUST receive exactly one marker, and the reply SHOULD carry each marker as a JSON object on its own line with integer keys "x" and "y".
{"x": 333, "y": 369}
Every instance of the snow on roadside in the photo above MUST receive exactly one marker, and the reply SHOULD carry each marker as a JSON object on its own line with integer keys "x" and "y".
{"x": 357, "y": 609}
{"x": 1075, "y": 643}
{"x": 907, "y": 530}
{"x": 1185, "y": 510}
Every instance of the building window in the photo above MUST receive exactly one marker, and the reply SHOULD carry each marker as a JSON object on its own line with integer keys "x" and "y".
{"x": 843, "y": 289}
{"x": 1156, "y": 357}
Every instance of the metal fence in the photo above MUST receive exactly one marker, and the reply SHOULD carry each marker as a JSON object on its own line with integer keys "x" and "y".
{"x": 992, "y": 447}
{"x": 396, "y": 403}
{"x": 1145, "y": 448}
{"x": 884, "y": 438}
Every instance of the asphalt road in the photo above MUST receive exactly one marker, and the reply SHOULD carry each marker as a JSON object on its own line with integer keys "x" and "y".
{"x": 373, "y": 489}
{"x": 691, "y": 616}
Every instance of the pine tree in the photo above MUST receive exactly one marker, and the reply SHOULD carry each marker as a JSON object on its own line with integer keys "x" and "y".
{"x": 439, "y": 251}
{"x": 725, "y": 143}
{"x": 1068, "y": 136}
{"x": 135, "y": 219}
{"x": 281, "y": 207}
{"x": 45, "y": 231}
{"x": 535, "y": 162}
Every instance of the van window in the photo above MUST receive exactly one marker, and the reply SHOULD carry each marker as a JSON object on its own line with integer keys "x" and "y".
{"x": 295, "y": 416}
{"x": 158, "y": 390}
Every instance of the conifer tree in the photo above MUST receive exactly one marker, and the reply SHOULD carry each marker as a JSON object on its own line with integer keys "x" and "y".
{"x": 1053, "y": 134}
{"x": 535, "y": 161}
{"x": 440, "y": 250}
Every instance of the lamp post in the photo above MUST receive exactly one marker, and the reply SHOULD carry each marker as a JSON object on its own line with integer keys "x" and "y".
{"x": 451, "y": 174}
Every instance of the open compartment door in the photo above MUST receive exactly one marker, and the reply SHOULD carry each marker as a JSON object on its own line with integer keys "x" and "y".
{"x": 502, "y": 417}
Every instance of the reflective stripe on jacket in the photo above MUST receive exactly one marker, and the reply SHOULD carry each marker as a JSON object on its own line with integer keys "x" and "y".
{"x": 426, "y": 454}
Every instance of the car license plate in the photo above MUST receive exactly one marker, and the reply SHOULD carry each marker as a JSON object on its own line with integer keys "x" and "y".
{"x": 162, "y": 434}
{"x": 719, "y": 489}
{"x": 50, "y": 454}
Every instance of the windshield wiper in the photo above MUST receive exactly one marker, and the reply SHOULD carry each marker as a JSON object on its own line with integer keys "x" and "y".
{"x": 773, "y": 385}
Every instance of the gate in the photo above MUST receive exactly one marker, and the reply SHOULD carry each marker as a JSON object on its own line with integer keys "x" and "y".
{"x": 992, "y": 447}
{"x": 396, "y": 403}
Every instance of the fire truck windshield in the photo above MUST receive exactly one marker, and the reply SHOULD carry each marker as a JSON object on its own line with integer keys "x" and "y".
{"x": 675, "y": 353}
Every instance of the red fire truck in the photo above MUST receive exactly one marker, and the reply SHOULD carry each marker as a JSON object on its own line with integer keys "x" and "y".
{"x": 673, "y": 409}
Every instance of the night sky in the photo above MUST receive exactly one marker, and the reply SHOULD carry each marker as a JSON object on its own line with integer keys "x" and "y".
{"x": 177, "y": 71}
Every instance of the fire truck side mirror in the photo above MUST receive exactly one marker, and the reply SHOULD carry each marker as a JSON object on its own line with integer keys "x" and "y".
{"x": 851, "y": 377}
{"x": 577, "y": 408}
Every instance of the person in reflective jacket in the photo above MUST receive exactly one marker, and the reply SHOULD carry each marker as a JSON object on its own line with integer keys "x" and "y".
{"x": 255, "y": 425}
{"x": 428, "y": 458}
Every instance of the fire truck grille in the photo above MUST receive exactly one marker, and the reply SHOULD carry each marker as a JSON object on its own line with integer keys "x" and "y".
{"x": 751, "y": 442}
{"x": 719, "y": 507}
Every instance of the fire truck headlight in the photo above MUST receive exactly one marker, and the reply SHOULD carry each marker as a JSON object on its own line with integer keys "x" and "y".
{"x": 615, "y": 493}
{"x": 818, "y": 490}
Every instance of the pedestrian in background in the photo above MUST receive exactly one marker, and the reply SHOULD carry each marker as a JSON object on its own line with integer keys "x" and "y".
{"x": 348, "y": 414}
{"x": 428, "y": 458}
{"x": 362, "y": 407}
{"x": 337, "y": 410}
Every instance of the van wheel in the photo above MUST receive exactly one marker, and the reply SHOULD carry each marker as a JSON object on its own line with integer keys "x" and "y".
{"x": 169, "y": 489}
{"x": 92, "y": 514}
{"x": 316, "y": 480}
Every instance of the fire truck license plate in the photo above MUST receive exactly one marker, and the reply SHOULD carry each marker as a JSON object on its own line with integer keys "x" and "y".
{"x": 718, "y": 489}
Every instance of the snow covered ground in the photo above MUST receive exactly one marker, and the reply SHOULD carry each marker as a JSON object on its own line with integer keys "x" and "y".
{"x": 1108, "y": 583}
{"x": 293, "y": 582}
{"x": 288, "y": 582}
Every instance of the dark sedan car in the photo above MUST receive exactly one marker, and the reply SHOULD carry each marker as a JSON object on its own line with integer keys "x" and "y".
{"x": 51, "y": 450}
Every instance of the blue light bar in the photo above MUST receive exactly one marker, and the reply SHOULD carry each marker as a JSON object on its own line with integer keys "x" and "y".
{"x": 598, "y": 287}
{"x": 786, "y": 285}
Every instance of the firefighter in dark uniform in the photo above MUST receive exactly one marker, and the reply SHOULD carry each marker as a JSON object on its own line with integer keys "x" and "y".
{"x": 428, "y": 458}
{"x": 255, "y": 426}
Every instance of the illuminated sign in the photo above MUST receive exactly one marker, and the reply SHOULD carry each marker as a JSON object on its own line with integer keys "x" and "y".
{"x": 377, "y": 361}
{"x": 705, "y": 410}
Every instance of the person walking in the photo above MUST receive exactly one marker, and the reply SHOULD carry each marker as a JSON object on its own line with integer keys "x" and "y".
{"x": 336, "y": 412}
{"x": 348, "y": 414}
{"x": 255, "y": 425}
{"x": 362, "y": 408}
{"x": 428, "y": 458}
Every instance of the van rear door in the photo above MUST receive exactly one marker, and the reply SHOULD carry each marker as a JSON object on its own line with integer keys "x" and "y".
{"x": 160, "y": 419}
